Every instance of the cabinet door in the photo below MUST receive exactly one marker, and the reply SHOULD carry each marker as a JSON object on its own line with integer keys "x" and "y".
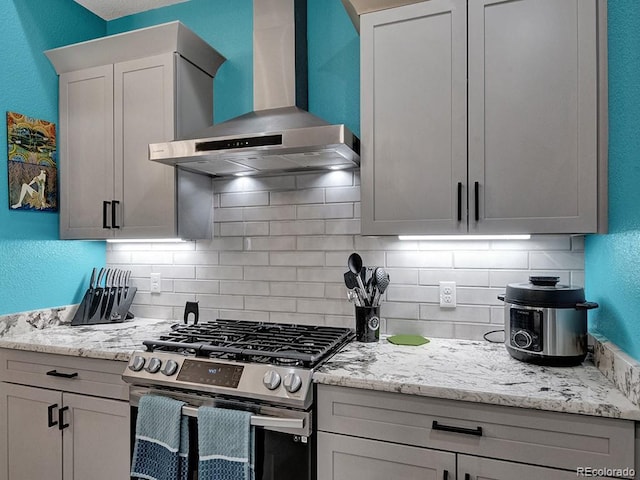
{"x": 533, "y": 116}
{"x": 29, "y": 448}
{"x": 96, "y": 443}
{"x": 86, "y": 151}
{"x": 414, "y": 149}
{"x": 144, "y": 113}
{"x": 341, "y": 457}
{"x": 477, "y": 468}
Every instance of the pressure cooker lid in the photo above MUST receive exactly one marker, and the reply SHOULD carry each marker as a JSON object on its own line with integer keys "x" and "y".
{"x": 544, "y": 292}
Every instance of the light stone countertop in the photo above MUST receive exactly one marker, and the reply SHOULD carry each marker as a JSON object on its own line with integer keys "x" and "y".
{"x": 108, "y": 341}
{"x": 475, "y": 371}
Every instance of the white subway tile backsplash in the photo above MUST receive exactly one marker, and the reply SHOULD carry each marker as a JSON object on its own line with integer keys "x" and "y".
{"x": 298, "y": 197}
{"x": 284, "y": 274}
{"x": 282, "y": 212}
{"x": 280, "y": 252}
{"x": 219, "y": 273}
{"x": 244, "y": 258}
{"x": 420, "y": 259}
{"x": 342, "y": 227}
{"x": 244, "y": 199}
{"x": 270, "y": 243}
{"x": 336, "y": 210}
{"x": 492, "y": 259}
{"x": 343, "y": 194}
{"x": 270, "y": 304}
{"x": 298, "y": 258}
{"x": 326, "y": 243}
{"x": 478, "y": 278}
{"x": 298, "y": 227}
{"x": 557, "y": 260}
{"x": 233, "y": 287}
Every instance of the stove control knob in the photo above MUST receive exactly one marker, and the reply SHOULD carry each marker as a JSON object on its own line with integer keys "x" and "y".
{"x": 292, "y": 382}
{"x": 271, "y": 380}
{"x": 137, "y": 363}
{"x": 169, "y": 368}
{"x": 154, "y": 365}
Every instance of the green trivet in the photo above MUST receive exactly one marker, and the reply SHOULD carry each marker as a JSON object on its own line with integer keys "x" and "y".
{"x": 408, "y": 340}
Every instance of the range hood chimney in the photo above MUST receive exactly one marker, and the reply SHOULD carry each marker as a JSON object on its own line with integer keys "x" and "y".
{"x": 279, "y": 135}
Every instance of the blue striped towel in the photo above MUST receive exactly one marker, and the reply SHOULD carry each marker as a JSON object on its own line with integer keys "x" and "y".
{"x": 162, "y": 440}
{"x": 226, "y": 444}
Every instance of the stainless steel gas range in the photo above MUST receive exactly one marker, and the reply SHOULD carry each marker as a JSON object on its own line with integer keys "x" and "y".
{"x": 265, "y": 368}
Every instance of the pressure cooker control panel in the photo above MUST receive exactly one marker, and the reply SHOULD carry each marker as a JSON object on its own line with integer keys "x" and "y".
{"x": 526, "y": 329}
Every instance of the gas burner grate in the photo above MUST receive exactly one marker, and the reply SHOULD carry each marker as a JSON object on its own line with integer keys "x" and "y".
{"x": 254, "y": 342}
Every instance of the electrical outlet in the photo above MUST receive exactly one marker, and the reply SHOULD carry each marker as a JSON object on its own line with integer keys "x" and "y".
{"x": 448, "y": 294}
{"x": 156, "y": 282}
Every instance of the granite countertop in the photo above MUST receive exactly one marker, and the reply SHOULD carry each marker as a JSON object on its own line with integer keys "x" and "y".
{"x": 475, "y": 371}
{"x": 108, "y": 341}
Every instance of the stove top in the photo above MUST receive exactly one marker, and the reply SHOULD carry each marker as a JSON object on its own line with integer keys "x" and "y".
{"x": 267, "y": 362}
{"x": 254, "y": 342}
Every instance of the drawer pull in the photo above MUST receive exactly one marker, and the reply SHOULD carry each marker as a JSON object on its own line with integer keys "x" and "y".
{"x": 467, "y": 476}
{"x": 50, "y": 421}
{"x": 445, "y": 475}
{"x": 55, "y": 373}
{"x": 467, "y": 431}
{"x": 61, "y": 424}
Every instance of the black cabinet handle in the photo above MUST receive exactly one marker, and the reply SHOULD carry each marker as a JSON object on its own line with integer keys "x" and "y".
{"x": 459, "y": 201}
{"x": 447, "y": 428}
{"x": 50, "y": 421}
{"x": 445, "y": 475}
{"x": 476, "y": 193}
{"x": 61, "y": 424}
{"x": 114, "y": 204}
{"x": 467, "y": 476}
{"x": 105, "y": 208}
{"x": 55, "y": 373}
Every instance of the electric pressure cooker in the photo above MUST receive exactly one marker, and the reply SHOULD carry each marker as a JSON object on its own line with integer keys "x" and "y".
{"x": 546, "y": 322}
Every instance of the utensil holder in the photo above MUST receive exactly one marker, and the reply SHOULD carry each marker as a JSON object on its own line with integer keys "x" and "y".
{"x": 368, "y": 324}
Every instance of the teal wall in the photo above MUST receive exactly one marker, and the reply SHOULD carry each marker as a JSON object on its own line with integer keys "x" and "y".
{"x": 333, "y": 43}
{"x": 37, "y": 270}
{"x": 612, "y": 262}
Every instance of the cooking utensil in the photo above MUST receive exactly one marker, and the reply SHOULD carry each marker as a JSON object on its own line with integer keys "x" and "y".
{"x": 355, "y": 266}
{"x": 191, "y": 308}
{"x": 382, "y": 282}
{"x": 104, "y": 300}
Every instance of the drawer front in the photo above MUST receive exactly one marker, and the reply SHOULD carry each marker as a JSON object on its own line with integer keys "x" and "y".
{"x": 89, "y": 376}
{"x": 522, "y": 435}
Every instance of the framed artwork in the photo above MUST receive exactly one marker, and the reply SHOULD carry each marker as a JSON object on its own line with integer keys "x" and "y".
{"x": 33, "y": 171}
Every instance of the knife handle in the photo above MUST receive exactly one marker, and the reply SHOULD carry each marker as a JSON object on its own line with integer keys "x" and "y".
{"x": 105, "y": 206}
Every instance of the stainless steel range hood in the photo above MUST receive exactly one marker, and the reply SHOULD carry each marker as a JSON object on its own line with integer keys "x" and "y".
{"x": 280, "y": 135}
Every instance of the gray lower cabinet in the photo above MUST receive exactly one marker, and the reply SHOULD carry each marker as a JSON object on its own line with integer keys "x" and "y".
{"x": 484, "y": 117}
{"x": 382, "y": 435}
{"x": 115, "y": 99}
{"x": 62, "y": 418}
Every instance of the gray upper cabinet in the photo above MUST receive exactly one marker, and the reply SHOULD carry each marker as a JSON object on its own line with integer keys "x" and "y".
{"x": 483, "y": 117}
{"x": 158, "y": 88}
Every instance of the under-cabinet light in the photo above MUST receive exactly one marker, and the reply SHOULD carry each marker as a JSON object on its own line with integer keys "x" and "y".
{"x": 145, "y": 240}
{"x": 464, "y": 237}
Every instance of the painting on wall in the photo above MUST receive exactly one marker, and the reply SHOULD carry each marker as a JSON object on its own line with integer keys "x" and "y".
{"x": 33, "y": 172}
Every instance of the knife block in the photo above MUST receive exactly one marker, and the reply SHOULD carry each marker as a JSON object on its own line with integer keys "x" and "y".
{"x": 104, "y": 305}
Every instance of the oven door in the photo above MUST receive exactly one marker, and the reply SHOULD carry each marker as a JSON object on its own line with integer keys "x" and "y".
{"x": 284, "y": 446}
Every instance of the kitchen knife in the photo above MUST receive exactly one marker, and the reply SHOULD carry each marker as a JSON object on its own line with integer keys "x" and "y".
{"x": 97, "y": 294}
{"x": 104, "y": 301}
{"x": 115, "y": 278}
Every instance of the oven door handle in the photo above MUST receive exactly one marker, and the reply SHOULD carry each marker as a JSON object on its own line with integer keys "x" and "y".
{"x": 258, "y": 420}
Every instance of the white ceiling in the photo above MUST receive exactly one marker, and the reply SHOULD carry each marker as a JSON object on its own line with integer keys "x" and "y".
{"x": 111, "y": 9}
